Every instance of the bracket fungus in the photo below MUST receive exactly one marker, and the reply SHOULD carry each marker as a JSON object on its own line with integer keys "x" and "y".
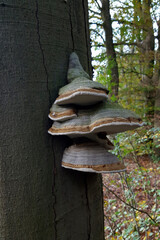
{"x": 104, "y": 117}
{"x": 59, "y": 113}
{"x": 80, "y": 90}
{"x": 90, "y": 157}
{"x": 86, "y": 115}
{"x": 75, "y": 69}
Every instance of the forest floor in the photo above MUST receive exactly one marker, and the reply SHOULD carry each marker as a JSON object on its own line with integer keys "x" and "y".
{"x": 132, "y": 201}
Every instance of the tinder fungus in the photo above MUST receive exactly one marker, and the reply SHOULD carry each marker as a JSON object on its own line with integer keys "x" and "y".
{"x": 105, "y": 117}
{"x": 58, "y": 113}
{"x": 80, "y": 90}
{"x": 90, "y": 157}
{"x": 83, "y": 112}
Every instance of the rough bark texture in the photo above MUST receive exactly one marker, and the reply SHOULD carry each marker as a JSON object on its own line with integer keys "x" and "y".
{"x": 38, "y": 199}
{"x": 111, "y": 54}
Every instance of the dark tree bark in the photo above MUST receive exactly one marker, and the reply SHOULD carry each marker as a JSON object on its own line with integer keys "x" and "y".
{"x": 111, "y": 54}
{"x": 39, "y": 200}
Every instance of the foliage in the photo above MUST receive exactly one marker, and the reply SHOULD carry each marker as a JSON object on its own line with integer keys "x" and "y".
{"x": 132, "y": 203}
{"x": 106, "y": 80}
{"x": 135, "y": 36}
{"x": 132, "y": 199}
{"x": 143, "y": 141}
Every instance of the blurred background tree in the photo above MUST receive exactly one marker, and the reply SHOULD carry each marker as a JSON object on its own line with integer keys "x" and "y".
{"x": 125, "y": 38}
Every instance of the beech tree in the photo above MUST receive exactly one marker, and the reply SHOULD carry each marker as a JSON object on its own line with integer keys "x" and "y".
{"x": 38, "y": 198}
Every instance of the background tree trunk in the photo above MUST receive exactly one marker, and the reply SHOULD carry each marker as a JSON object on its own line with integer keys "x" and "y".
{"x": 147, "y": 55}
{"x": 157, "y": 76}
{"x": 157, "y": 115}
{"x": 111, "y": 54}
{"x": 39, "y": 200}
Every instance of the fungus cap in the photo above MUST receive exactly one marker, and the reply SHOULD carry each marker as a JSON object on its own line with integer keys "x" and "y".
{"x": 82, "y": 91}
{"x": 104, "y": 117}
{"x": 58, "y": 113}
{"x": 90, "y": 157}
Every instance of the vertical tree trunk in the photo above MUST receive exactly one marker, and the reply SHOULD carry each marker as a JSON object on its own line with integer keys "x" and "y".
{"x": 38, "y": 199}
{"x": 157, "y": 98}
{"x": 157, "y": 115}
{"x": 157, "y": 80}
{"x": 147, "y": 55}
{"x": 157, "y": 106}
{"x": 111, "y": 54}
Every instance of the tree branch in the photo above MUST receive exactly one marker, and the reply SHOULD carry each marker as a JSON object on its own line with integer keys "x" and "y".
{"x": 129, "y": 205}
{"x": 97, "y": 13}
{"x": 138, "y": 44}
{"x": 98, "y": 24}
{"x": 120, "y": 7}
{"x": 126, "y": 54}
{"x": 133, "y": 24}
{"x": 98, "y": 5}
{"x": 98, "y": 45}
{"x": 125, "y": 43}
{"x": 96, "y": 32}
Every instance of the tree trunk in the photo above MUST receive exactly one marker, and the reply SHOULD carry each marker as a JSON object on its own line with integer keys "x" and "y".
{"x": 157, "y": 74}
{"x": 147, "y": 55}
{"x": 157, "y": 98}
{"x": 157, "y": 106}
{"x": 39, "y": 200}
{"x": 111, "y": 54}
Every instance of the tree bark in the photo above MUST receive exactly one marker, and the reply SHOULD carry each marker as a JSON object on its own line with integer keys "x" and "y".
{"x": 38, "y": 198}
{"x": 111, "y": 54}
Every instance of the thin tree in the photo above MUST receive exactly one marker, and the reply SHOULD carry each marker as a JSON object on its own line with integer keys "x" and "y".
{"x": 111, "y": 54}
{"x": 101, "y": 18}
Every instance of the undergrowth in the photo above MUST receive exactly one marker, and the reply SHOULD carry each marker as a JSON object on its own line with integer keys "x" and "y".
{"x": 132, "y": 199}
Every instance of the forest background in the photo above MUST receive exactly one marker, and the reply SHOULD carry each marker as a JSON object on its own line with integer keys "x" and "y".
{"x": 125, "y": 43}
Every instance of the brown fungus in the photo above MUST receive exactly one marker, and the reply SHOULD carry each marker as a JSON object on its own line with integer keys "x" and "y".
{"x": 90, "y": 157}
